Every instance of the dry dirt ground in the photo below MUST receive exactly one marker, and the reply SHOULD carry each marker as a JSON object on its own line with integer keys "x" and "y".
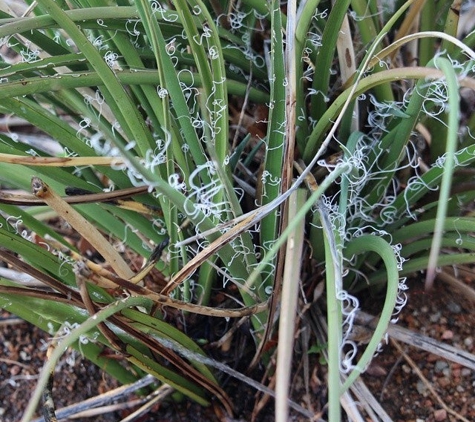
{"x": 443, "y": 315}
{"x": 23, "y": 354}
{"x": 446, "y": 316}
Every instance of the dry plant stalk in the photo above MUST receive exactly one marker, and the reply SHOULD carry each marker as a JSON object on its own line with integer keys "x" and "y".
{"x": 42, "y": 191}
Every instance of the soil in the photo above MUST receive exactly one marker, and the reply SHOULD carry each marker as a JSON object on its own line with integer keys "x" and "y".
{"x": 448, "y": 317}
{"x": 443, "y": 315}
{"x": 23, "y": 354}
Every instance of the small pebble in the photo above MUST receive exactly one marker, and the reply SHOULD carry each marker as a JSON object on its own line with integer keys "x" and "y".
{"x": 376, "y": 370}
{"x": 468, "y": 341}
{"x": 15, "y": 370}
{"x": 465, "y": 372}
{"x": 435, "y": 317}
{"x": 443, "y": 382}
{"x": 460, "y": 388}
{"x": 454, "y": 307}
{"x": 440, "y": 365}
{"x": 24, "y": 356}
{"x": 440, "y": 415}
{"x": 447, "y": 335}
{"x": 421, "y": 387}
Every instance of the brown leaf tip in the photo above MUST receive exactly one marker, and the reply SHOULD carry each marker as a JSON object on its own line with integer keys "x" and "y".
{"x": 38, "y": 187}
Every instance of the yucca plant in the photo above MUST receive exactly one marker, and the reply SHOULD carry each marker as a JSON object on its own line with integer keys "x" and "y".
{"x": 350, "y": 172}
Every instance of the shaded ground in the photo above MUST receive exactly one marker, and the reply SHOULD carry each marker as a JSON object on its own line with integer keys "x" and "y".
{"x": 446, "y": 316}
{"x": 443, "y": 315}
{"x": 23, "y": 354}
